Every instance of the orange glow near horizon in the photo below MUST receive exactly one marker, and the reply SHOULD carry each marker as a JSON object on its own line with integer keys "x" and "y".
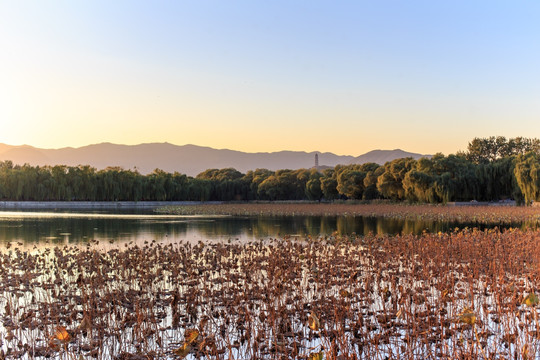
{"x": 373, "y": 77}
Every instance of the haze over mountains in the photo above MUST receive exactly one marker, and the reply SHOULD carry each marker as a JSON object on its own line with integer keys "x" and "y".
{"x": 186, "y": 159}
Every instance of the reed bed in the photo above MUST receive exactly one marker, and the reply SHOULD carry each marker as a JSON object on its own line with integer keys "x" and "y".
{"x": 468, "y": 214}
{"x": 467, "y": 294}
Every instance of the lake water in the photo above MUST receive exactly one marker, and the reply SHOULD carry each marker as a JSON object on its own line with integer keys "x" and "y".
{"x": 71, "y": 227}
{"x": 230, "y": 291}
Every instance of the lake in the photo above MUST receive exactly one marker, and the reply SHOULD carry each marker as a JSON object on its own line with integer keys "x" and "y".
{"x": 218, "y": 294}
{"x": 43, "y": 227}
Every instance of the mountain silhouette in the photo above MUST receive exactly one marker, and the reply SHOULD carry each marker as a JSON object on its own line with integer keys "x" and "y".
{"x": 186, "y": 159}
{"x": 382, "y": 156}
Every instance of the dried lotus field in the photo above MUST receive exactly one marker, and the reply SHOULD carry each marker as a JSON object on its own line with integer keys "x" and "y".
{"x": 466, "y": 214}
{"x": 467, "y": 294}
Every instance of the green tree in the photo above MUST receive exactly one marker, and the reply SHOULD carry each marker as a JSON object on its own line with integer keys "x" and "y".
{"x": 484, "y": 150}
{"x": 329, "y": 184}
{"x": 350, "y": 183}
{"x": 390, "y": 182}
{"x": 255, "y": 179}
{"x": 370, "y": 183}
{"x": 270, "y": 189}
{"x": 419, "y": 186}
{"x": 313, "y": 186}
{"x": 527, "y": 173}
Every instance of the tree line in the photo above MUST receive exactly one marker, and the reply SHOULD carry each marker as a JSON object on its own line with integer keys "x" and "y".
{"x": 491, "y": 169}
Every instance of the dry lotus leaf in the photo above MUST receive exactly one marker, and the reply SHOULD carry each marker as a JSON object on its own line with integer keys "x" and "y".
{"x": 531, "y": 300}
{"x": 313, "y": 322}
{"x": 183, "y": 351}
{"x": 191, "y": 335}
{"x": 61, "y": 337}
{"x": 467, "y": 316}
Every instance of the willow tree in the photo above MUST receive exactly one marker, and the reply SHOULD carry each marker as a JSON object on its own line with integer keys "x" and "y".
{"x": 254, "y": 179}
{"x": 329, "y": 184}
{"x": 527, "y": 173}
{"x": 370, "y": 184}
{"x": 390, "y": 183}
{"x": 313, "y": 186}
{"x": 351, "y": 183}
{"x": 419, "y": 186}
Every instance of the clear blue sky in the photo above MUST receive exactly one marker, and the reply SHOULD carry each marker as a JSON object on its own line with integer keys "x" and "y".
{"x": 339, "y": 76}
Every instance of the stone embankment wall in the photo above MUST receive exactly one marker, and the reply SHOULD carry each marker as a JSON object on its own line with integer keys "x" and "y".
{"x": 483, "y": 203}
{"x": 90, "y": 204}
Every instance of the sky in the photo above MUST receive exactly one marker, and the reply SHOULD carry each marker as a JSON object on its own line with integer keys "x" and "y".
{"x": 340, "y": 76}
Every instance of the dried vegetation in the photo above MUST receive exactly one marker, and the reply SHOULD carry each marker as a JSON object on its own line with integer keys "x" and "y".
{"x": 463, "y": 295}
{"x": 468, "y": 214}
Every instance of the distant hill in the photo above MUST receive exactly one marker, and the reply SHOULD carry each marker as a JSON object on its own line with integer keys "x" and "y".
{"x": 186, "y": 159}
{"x": 382, "y": 156}
{"x": 23, "y": 154}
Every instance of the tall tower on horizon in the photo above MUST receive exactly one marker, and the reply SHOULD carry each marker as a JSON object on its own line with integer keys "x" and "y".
{"x": 316, "y": 160}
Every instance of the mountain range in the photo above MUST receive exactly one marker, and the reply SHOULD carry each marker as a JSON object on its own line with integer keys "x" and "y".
{"x": 186, "y": 159}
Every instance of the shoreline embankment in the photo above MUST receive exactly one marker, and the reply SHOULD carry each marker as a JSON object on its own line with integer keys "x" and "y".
{"x": 126, "y": 205}
{"x": 95, "y": 204}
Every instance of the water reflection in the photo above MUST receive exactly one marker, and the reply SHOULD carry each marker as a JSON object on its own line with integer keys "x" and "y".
{"x": 70, "y": 228}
